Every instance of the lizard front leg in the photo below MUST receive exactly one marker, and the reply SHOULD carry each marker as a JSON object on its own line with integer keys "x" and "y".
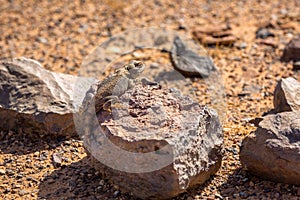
{"x": 109, "y": 101}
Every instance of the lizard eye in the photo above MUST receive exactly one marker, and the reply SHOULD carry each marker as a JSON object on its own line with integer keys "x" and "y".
{"x": 134, "y": 64}
{"x": 129, "y": 66}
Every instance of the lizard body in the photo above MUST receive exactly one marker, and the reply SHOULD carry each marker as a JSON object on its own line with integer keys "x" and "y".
{"x": 117, "y": 83}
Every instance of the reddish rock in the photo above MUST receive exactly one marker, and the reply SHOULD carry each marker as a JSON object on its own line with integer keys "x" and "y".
{"x": 273, "y": 151}
{"x": 155, "y": 143}
{"x": 215, "y": 35}
{"x": 224, "y": 40}
{"x": 292, "y": 50}
{"x": 213, "y": 29}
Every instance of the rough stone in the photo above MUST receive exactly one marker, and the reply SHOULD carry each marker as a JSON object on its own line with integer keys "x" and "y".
{"x": 292, "y": 50}
{"x": 287, "y": 95}
{"x": 273, "y": 150}
{"x": 34, "y": 99}
{"x": 155, "y": 143}
{"x": 189, "y": 62}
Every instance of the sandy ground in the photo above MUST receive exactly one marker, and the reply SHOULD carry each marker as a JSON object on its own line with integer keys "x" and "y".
{"x": 61, "y": 34}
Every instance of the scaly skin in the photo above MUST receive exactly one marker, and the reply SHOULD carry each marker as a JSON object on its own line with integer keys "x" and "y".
{"x": 117, "y": 83}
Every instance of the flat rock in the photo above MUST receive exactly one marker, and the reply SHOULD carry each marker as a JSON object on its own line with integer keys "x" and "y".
{"x": 215, "y": 35}
{"x": 273, "y": 151}
{"x": 189, "y": 62}
{"x": 155, "y": 143}
{"x": 287, "y": 95}
{"x": 35, "y": 100}
{"x": 292, "y": 50}
{"x": 212, "y": 29}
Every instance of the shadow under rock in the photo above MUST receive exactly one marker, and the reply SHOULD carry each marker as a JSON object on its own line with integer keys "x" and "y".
{"x": 243, "y": 185}
{"x": 78, "y": 181}
{"x": 19, "y": 143}
{"x": 81, "y": 181}
{"x": 194, "y": 191}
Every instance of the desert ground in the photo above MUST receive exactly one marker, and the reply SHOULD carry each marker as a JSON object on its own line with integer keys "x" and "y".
{"x": 60, "y": 34}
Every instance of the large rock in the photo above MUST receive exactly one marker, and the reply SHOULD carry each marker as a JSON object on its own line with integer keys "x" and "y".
{"x": 35, "y": 100}
{"x": 287, "y": 95}
{"x": 273, "y": 150}
{"x": 292, "y": 50}
{"x": 155, "y": 143}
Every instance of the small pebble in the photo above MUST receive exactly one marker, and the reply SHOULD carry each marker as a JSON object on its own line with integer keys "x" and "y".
{"x": 243, "y": 194}
{"x": 264, "y": 33}
{"x": 19, "y": 176}
{"x": 154, "y": 65}
{"x": 116, "y": 193}
{"x": 22, "y": 192}
{"x": 17, "y": 186}
{"x": 42, "y": 40}
{"x": 9, "y": 172}
{"x": 235, "y": 195}
{"x": 218, "y": 196}
{"x": 56, "y": 160}
{"x": 245, "y": 179}
{"x": 7, "y": 190}
{"x": 283, "y": 11}
{"x": 296, "y": 65}
{"x": 251, "y": 184}
{"x": 101, "y": 182}
{"x": 241, "y": 45}
{"x": 2, "y": 171}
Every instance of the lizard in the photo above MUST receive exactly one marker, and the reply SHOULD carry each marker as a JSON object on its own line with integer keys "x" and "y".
{"x": 117, "y": 84}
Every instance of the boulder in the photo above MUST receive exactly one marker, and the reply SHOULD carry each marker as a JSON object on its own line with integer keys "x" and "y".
{"x": 273, "y": 150}
{"x": 287, "y": 95}
{"x": 35, "y": 100}
{"x": 155, "y": 143}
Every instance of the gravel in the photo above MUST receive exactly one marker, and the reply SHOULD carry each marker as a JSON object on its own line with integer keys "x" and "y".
{"x": 61, "y": 34}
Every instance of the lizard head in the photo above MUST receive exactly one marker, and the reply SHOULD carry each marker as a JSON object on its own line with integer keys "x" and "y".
{"x": 135, "y": 68}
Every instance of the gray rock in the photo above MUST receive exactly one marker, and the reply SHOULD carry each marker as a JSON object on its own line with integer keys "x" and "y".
{"x": 190, "y": 63}
{"x": 287, "y": 95}
{"x": 292, "y": 50}
{"x": 34, "y": 99}
{"x": 273, "y": 150}
{"x": 57, "y": 160}
{"x": 155, "y": 143}
{"x": 263, "y": 33}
